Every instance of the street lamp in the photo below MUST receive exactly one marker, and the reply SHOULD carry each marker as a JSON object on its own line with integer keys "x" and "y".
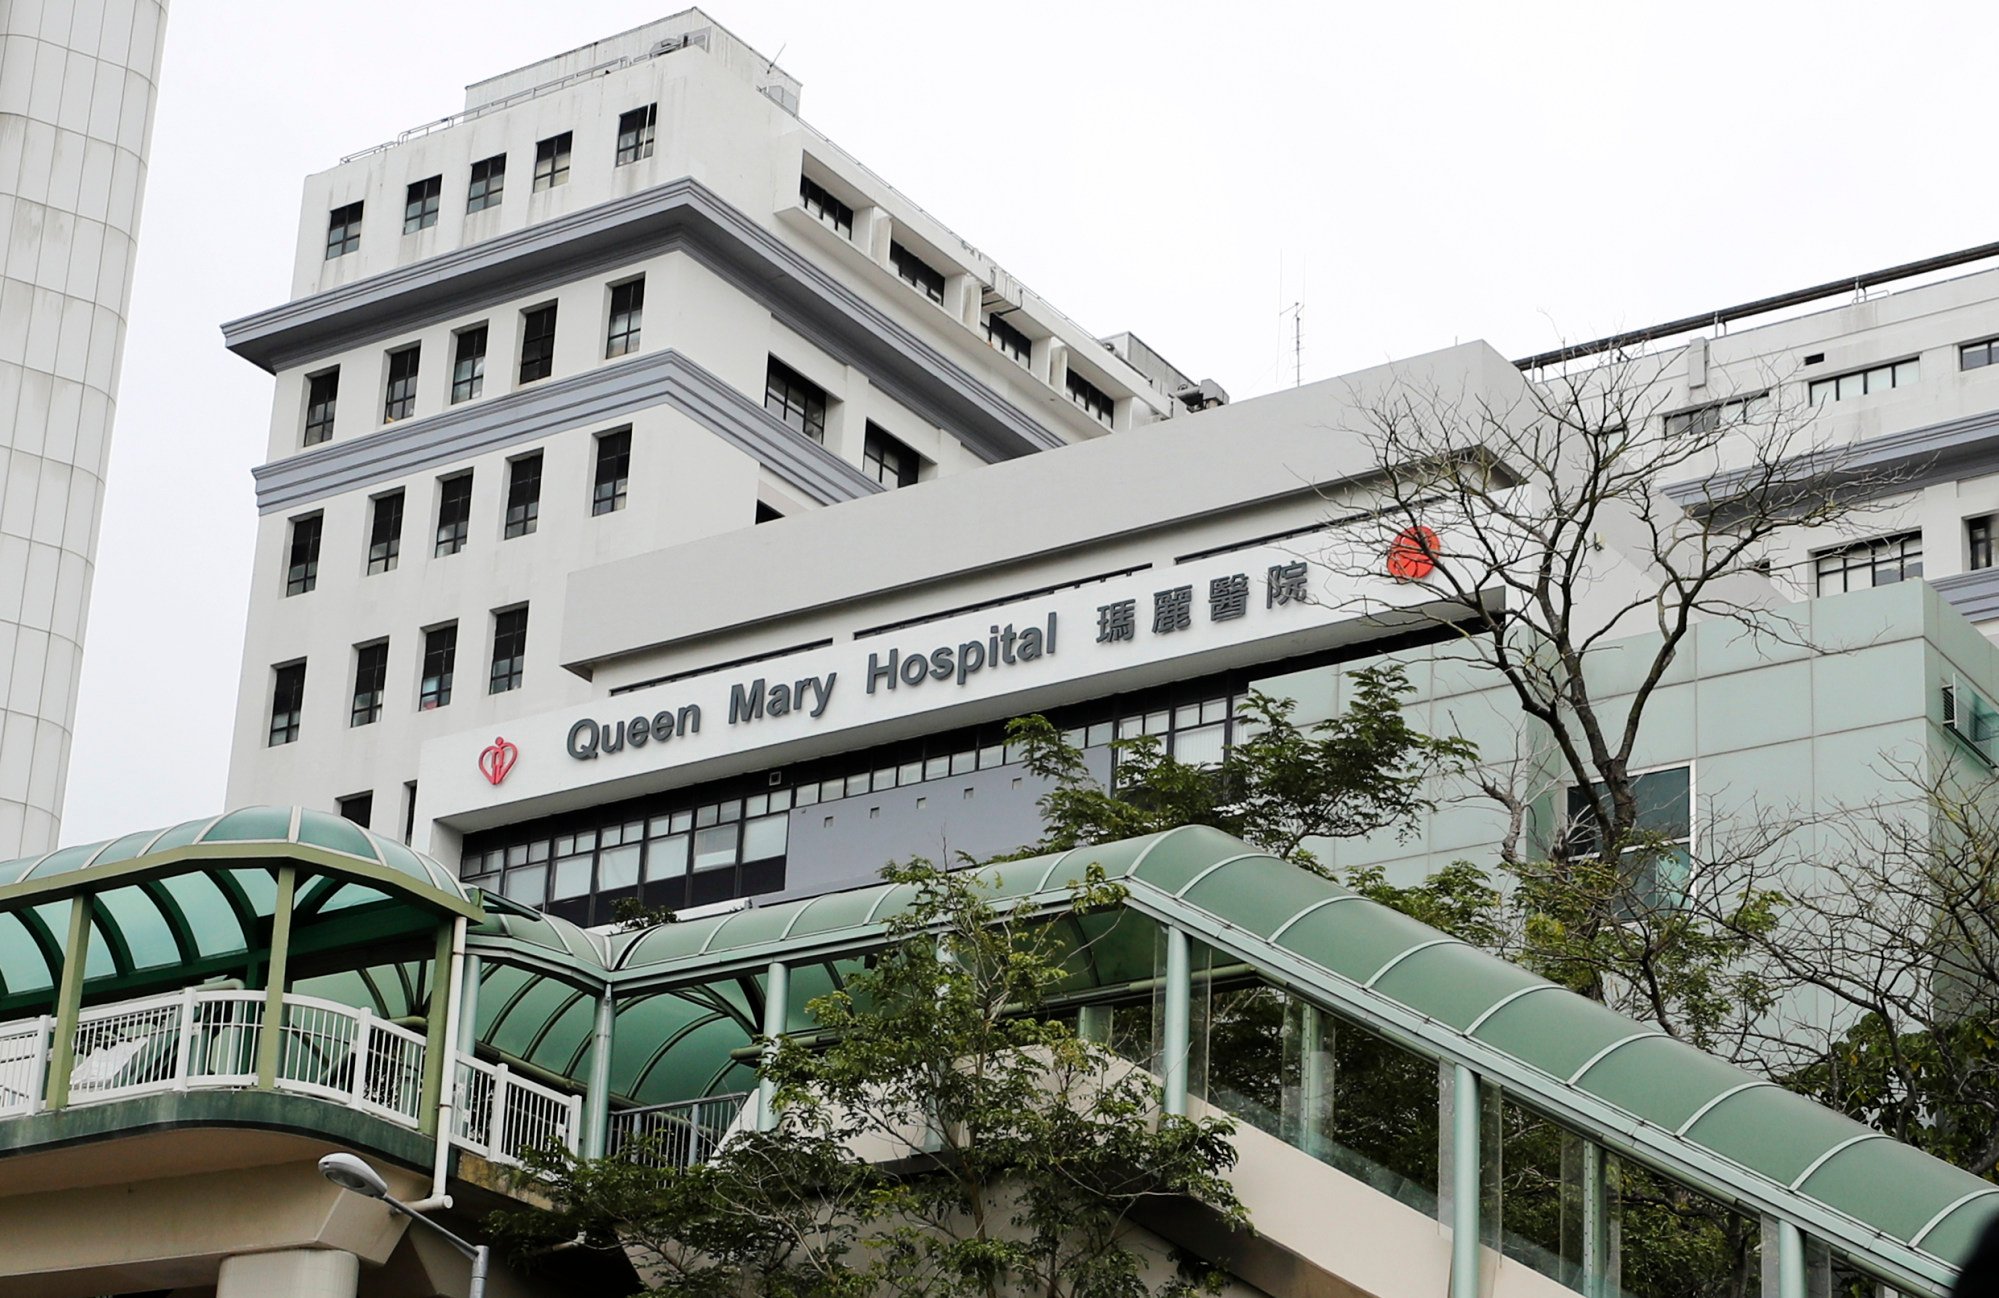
{"x": 351, "y": 1173}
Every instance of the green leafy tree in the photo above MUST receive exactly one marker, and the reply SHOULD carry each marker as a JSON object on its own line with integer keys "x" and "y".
{"x": 939, "y": 1136}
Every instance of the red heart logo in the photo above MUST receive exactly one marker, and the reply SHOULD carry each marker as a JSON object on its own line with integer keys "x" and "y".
{"x": 1412, "y": 556}
{"x": 497, "y": 760}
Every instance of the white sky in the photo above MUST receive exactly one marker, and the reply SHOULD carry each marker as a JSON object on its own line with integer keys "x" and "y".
{"x": 1419, "y": 173}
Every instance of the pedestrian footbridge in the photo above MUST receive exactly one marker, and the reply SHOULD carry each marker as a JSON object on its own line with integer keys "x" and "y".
{"x": 190, "y": 1017}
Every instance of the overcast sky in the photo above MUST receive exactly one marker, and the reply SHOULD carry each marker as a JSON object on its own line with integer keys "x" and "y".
{"x": 1417, "y": 174}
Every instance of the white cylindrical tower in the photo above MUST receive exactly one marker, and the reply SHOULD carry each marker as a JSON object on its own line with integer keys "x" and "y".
{"x": 77, "y": 87}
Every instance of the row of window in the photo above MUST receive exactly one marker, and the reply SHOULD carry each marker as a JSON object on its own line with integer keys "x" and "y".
{"x": 913, "y": 270}
{"x": 488, "y": 181}
{"x": 609, "y": 486}
{"x": 1868, "y": 381}
{"x": 801, "y": 404}
{"x": 435, "y": 682}
{"x": 468, "y": 361}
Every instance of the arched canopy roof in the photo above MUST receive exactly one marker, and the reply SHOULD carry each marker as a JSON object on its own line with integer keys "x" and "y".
{"x": 1622, "y": 1082}
{"x": 172, "y": 906}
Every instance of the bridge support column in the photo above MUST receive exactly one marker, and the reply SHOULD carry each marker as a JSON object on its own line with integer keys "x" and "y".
{"x": 1465, "y": 1113}
{"x": 597, "y": 1102}
{"x": 468, "y": 1006}
{"x": 296, "y": 1273}
{"x": 1174, "y": 1034}
{"x": 1596, "y": 1223}
{"x": 1790, "y": 1261}
{"x": 437, "y": 1071}
{"x": 271, "y": 1030}
{"x": 69, "y": 1002}
{"x": 777, "y": 1016}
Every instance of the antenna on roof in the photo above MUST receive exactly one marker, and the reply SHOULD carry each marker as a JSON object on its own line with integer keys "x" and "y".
{"x": 1297, "y": 313}
{"x": 774, "y": 58}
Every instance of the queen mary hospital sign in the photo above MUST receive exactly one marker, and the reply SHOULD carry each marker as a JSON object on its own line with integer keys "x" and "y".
{"x": 1225, "y": 611}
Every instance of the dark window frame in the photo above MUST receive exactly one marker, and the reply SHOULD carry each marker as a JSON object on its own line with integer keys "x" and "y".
{"x": 287, "y": 703}
{"x": 1009, "y": 341}
{"x": 440, "y": 666}
{"x": 919, "y": 274}
{"x": 523, "y": 496}
{"x": 343, "y": 230}
{"x": 636, "y": 130}
{"x": 1900, "y": 555}
{"x": 1089, "y": 398}
{"x": 399, "y": 387}
{"x": 468, "y": 363}
{"x": 538, "y": 325}
{"x": 488, "y": 183}
{"x": 610, "y": 482}
{"x": 371, "y": 684}
{"x": 385, "y": 532}
{"x": 322, "y": 401}
{"x": 626, "y": 319}
{"x": 454, "y": 514}
{"x": 302, "y": 553}
{"x": 1978, "y": 540}
{"x": 510, "y": 648}
{"x": 820, "y": 202}
{"x": 796, "y": 400}
{"x": 420, "y": 204}
{"x": 551, "y": 160}
{"x": 883, "y": 455}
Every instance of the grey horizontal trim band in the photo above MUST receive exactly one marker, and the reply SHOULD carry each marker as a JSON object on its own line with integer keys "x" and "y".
{"x": 1905, "y": 461}
{"x": 615, "y": 391}
{"x": 682, "y": 214}
{"x": 1974, "y": 594}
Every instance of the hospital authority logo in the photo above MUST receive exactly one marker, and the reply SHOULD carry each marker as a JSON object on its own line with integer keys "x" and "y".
{"x": 497, "y": 760}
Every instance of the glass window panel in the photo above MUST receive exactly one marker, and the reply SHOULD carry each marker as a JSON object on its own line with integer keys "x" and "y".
{"x": 964, "y": 763}
{"x": 1201, "y": 746}
{"x": 529, "y": 887}
{"x": 885, "y": 779}
{"x": 572, "y": 877}
{"x": 1850, "y": 386}
{"x": 706, "y": 816}
{"x": 936, "y": 768}
{"x": 764, "y": 838}
{"x": 618, "y": 867}
{"x": 909, "y": 773}
{"x": 757, "y": 806}
{"x": 715, "y": 848}
{"x": 992, "y": 755}
{"x": 517, "y": 854}
{"x": 1906, "y": 373}
{"x": 1188, "y": 714}
{"x": 1073, "y": 738}
{"x": 808, "y": 795}
{"x": 682, "y": 821}
{"x": 857, "y": 784}
{"x": 1215, "y": 710}
{"x": 666, "y": 858}
{"x": 1823, "y": 390}
{"x": 538, "y": 851}
{"x": 1097, "y": 735}
{"x": 1156, "y": 723}
{"x": 832, "y": 790}
{"x": 658, "y": 827}
{"x": 732, "y": 810}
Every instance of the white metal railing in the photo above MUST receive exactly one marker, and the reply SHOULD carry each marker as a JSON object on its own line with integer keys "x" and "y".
{"x": 209, "y": 1039}
{"x": 675, "y": 1135}
{"x": 504, "y": 1115}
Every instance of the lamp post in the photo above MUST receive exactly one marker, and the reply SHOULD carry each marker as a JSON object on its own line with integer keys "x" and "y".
{"x": 351, "y": 1173}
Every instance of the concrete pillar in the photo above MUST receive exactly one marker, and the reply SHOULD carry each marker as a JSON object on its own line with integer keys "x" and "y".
{"x": 69, "y": 1001}
{"x": 296, "y": 1273}
{"x": 1173, "y": 1031}
{"x": 1465, "y": 1111}
{"x": 437, "y": 1071}
{"x": 1790, "y": 1261}
{"x": 1596, "y": 1224}
{"x": 777, "y": 1017}
{"x": 597, "y": 1100}
{"x": 271, "y": 1031}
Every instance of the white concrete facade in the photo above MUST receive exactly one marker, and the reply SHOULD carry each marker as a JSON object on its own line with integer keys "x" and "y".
{"x": 718, "y": 184}
{"x": 78, "y": 81}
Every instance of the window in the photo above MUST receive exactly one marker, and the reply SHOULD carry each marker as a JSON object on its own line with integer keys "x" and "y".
{"x": 1008, "y": 339}
{"x": 628, "y": 302}
{"x": 359, "y": 808}
{"x": 635, "y": 131}
{"x": 523, "y": 495}
{"x": 440, "y": 654}
{"x": 287, "y": 701}
{"x": 343, "y": 230}
{"x": 302, "y": 566}
{"x": 489, "y": 181}
{"x": 551, "y": 162}
{"x": 399, "y": 397}
{"x": 1978, "y": 535}
{"x": 1716, "y": 415}
{"x": 538, "y": 343}
{"x": 454, "y": 513}
{"x": 385, "y": 533}
{"x": 887, "y": 460}
{"x": 917, "y": 273}
{"x": 371, "y": 683}
{"x": 800, "y": 403}
{"x": 468, "y": 364}
{"x": 420, "y": 206}
{"x": 1860, "y": 383}
{"x": 614, "y": 468}
{"x": 1976, "y": 356}
{"x": 1656, "y": 869}
{"x": 1870, "y": 563}
{"x": 322, "y": 393}
{"x": 1090, "y": 397}
{"x": 813, "y": 197}
{"x": 510, "y": 649}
